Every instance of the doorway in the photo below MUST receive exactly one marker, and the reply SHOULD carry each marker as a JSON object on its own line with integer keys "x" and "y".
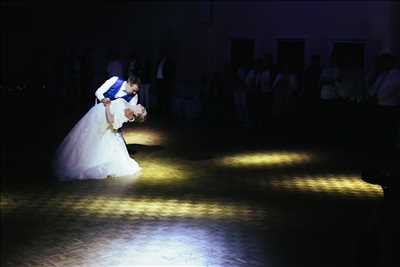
{"x": 291, "y": 52}
{"x": 242, "y": 51}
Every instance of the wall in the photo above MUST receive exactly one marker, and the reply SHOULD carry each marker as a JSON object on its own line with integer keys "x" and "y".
{"x": 318, "y": 22}
{"x": 200, "y": 41}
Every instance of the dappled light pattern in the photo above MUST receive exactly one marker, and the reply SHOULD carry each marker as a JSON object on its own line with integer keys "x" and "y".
{"x": 144, "y": 136}
{"x": 267, "y": 158}
{"x": 158, "y": 171}
{"x": 134, "y": 207}
{"x": 339, "y": 185}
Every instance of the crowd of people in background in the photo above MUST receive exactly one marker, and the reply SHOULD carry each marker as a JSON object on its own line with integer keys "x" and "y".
{"x": 341, "y": 97}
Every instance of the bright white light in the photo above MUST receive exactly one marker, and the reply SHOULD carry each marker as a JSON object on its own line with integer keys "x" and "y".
{"x": 168, "y": 245}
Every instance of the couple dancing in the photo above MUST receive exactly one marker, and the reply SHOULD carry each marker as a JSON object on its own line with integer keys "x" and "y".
{"x": 95, "y": 148}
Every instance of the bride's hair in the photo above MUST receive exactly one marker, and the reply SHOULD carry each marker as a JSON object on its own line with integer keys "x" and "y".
{"x": 141, "y": 116}
{"x": 140, "y": 112}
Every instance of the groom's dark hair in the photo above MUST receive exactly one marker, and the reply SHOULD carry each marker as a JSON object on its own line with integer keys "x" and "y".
{"x": 133, "y": 79}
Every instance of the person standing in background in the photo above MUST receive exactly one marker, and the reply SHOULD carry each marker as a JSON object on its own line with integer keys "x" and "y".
{"x": 133, "y": 66}
{"x": 386, "y": 91}
{"x": 311, "y": 83}
{"x": 164, "y": 81}
{"x": 115, "y": 66}
{"x": 145, "y": 92}
{"x": 264, "y": 82}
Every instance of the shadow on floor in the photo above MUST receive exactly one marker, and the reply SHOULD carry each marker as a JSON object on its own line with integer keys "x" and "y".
{"x": 135, "y": 148}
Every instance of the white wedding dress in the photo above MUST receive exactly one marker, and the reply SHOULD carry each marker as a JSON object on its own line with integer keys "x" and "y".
{"x": 93, "y": 150}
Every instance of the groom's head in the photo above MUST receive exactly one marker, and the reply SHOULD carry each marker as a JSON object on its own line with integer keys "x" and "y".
{"x": 133, "y": 84}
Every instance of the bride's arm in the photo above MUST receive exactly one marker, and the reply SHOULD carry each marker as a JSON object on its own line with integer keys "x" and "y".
{"x": 109, "y": 115}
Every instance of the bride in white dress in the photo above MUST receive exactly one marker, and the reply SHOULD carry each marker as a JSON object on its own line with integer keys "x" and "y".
{"x": 92, "y": 150}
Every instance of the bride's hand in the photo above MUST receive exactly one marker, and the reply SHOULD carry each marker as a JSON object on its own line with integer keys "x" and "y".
{"x": 106, "y": 101}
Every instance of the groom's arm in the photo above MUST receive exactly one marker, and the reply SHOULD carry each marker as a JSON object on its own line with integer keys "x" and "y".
{"x": 102, "y": 89}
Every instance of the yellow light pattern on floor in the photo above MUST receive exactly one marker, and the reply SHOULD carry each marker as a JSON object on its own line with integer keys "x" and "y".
{"x": 266, "y": 159}
{"x": 144, "y": 136}
{"x": 133, "y": 207}
{"x": 157, "y": 171}
{"x": 339, "y": 185}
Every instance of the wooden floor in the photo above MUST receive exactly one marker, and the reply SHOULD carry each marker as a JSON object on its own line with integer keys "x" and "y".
{"x": 206, "y": 197}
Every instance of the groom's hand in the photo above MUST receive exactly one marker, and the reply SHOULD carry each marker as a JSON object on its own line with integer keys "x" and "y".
{"x": 106, "y": 101}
